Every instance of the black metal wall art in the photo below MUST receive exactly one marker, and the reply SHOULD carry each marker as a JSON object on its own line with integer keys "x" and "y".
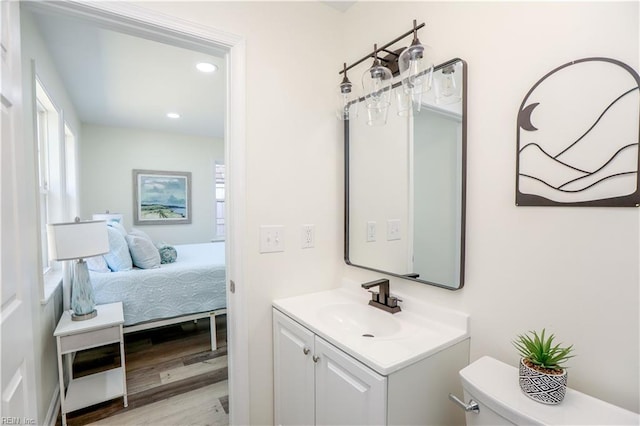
{"x": 578, "y": 135}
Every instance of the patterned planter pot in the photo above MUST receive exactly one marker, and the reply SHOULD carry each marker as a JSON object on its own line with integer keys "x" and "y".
{"x": 545, "y": 388}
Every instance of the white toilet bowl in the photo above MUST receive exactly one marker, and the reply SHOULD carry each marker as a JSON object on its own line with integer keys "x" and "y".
{"x": 493, "y": 385}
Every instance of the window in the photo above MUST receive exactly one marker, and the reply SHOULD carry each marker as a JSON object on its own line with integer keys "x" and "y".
{"x": 220, "y": 196}
{"x": 46, "y": 133}
{"x": 56, "y": 148}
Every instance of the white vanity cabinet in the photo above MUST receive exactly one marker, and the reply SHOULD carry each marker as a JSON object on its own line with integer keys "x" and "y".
{"x": 317, "y": 383}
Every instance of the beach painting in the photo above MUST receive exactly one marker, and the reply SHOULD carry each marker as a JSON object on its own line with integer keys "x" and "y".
{"x": 161, "y": 198}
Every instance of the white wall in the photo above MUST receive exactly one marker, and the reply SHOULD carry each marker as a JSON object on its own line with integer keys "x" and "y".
{"x": 571, "y": 270}
{"x": 108, "y": 155}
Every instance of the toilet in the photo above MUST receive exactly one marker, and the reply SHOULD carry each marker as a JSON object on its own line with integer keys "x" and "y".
{"x": 493, "y": 385}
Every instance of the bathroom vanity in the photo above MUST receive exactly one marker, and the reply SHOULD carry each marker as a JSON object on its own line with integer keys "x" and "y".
{"x": 338, "y": 360}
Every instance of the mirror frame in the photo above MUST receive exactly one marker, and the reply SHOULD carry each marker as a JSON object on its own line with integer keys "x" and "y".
{"x": 463, "y": 187}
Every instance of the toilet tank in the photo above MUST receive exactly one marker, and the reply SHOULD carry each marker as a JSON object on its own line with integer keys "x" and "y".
{"x": 494, "y": 386}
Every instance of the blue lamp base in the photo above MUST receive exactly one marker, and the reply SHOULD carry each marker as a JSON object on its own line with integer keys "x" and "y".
{"x": 82, "y": 300}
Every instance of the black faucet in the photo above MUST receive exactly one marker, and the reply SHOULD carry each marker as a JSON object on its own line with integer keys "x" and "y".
{"x": 382, "y": 299}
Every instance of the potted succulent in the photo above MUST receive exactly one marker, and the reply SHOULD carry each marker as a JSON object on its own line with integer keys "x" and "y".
{"x": 542, "y": 374}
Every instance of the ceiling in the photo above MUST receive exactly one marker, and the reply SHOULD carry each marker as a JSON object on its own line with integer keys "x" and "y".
{"x": 118, "y": 80}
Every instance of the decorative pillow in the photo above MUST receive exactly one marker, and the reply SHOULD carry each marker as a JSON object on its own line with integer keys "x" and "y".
{"x": 118, "y": 258}
{"x": 97, "y": 264}
{"x": 168, "y": 254}
{"x": 144, "y": 254}
{"x": 119, "y": 227}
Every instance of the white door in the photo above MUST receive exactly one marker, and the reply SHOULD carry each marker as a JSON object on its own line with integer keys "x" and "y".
{"x": 293, "y": 372}
{"x": 347, "y": 392}
{"x": 17, "y": 369}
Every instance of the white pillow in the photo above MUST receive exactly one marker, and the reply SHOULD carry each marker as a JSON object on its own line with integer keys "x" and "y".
{"x": 145, "y": 255}
{"x": 118, "y": 257}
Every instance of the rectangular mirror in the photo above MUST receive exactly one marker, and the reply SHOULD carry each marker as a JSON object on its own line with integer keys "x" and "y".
{"x": 405, "y": 186}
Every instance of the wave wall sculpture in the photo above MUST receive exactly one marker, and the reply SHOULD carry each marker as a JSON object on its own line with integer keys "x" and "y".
{"x": 578, "y": 136}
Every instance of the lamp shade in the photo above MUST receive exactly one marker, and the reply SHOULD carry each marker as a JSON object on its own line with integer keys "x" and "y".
{"x": 77, "y": 240}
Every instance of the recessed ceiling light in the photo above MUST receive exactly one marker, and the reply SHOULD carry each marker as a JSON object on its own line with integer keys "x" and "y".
{"x": 173, "y": 115}
{"x": 206, "y": 67}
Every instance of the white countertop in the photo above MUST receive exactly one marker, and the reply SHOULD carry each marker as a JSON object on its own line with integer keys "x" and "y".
{"x": 421, "y": 332}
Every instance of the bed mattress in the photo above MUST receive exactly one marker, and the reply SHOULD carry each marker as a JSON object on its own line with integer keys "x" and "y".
{"x": 194, "y": 283}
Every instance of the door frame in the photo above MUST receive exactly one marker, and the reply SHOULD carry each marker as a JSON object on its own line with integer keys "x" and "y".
{"x": 139, "y": 21}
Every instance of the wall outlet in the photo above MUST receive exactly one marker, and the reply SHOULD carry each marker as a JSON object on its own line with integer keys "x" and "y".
{"x": 393, "y": 229}
{"x": 271, "y": 238}
{"x": 308, "y": 236}
{"x": 371, "y": 231}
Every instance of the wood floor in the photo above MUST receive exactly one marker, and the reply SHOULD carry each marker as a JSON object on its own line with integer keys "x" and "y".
{"x": 173, "y": 378}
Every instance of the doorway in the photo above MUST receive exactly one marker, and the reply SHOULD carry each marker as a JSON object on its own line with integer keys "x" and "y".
{"x": 123, "y": 18}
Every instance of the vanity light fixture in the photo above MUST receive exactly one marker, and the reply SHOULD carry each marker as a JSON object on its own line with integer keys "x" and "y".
{"x": 173, "y": 115}
{"x": 376, "y": 82}
{"x": 347, "y": 101}
{"x": 416, "y": 70}
{"x": 206, "y": 67}
{"x": 412, "y": 64}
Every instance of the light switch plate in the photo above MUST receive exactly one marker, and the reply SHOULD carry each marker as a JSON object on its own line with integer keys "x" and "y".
{"x": 308, "y": 236}
{"x": 393, "y": 229}
{"x": 271, "y": 238}
{"x": 371, "y": 231}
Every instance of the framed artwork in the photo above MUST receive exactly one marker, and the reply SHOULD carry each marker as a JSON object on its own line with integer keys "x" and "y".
{"x": 161, "y": 198}
{"x": 578, "y": 135}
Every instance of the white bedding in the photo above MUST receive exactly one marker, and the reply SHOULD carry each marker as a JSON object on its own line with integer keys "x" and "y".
{"x": 194, "y": 283}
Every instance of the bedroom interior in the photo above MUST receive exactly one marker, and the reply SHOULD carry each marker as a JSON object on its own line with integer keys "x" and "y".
{"x": 570, "y": 269}
{"x": 167, "y": 267}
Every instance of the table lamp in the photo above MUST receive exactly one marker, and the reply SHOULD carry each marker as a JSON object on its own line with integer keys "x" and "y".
{"x": 77, "y": 241}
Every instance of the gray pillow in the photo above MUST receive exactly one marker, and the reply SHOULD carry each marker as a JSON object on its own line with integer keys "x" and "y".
{"x": 143, "y": 253}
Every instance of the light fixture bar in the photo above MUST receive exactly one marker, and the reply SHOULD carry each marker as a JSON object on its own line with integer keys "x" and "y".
{"x": 382, "y": 48}
{"x": 399, "y": 83}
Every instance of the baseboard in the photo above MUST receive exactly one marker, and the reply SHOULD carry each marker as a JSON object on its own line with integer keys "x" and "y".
{"x": 54, "y": 409}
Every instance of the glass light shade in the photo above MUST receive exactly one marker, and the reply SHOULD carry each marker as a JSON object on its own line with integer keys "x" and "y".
{"x": 416, "y": 68}
{"x": 404, "y": 101}
{"x": 447, "y": 87}
{"x": 376, "y": 82}
{"x": 347, "y": 105}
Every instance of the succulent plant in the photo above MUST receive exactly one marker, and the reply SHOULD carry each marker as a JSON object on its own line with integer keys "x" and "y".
{"x": 540, "y": 351}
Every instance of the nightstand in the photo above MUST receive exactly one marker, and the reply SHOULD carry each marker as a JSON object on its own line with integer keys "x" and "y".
{"x": 72, "y": 336}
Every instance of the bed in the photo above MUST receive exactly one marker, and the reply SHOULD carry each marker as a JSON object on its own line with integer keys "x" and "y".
{"x": 190, "y": 288}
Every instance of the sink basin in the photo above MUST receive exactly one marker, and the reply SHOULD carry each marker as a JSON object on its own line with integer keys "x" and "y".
{"x": 359, "y": 319}
{"x": 383, "y": 341}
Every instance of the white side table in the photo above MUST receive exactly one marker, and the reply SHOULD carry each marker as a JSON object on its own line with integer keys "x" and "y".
{"x": 72, "y": 336}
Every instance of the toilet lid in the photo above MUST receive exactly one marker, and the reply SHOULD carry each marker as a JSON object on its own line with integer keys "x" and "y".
{"x": 494, "y": 384}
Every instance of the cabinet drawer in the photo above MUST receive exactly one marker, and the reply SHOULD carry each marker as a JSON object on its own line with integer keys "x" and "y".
{"x": 89, "y": 339}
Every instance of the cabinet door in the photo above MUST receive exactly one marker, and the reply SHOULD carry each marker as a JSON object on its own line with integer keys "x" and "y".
{"x": 347, "y": 392}
{"x": 293, "y": 372}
